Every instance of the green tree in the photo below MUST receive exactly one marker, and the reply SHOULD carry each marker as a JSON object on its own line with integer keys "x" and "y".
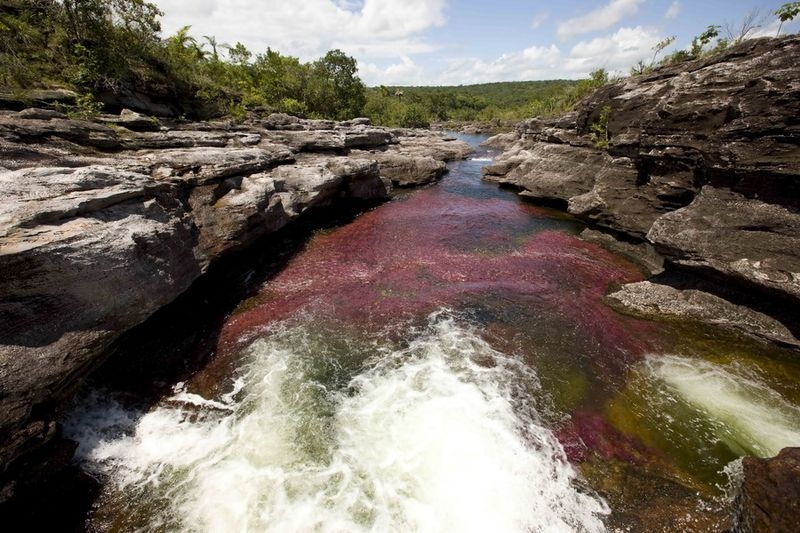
{"x": 335, "y": 90}
{"x": 787, "y": 12}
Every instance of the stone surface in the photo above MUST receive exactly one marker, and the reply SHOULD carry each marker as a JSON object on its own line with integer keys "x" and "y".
{"x": 769, "y": 497}
{"x": 654, "y": 300}
{"x": 133, "y": 121}
{"x": 641, "y": 253}
{"x": 743, "y": 239}
{"x": 702, "y": 162}
{"x": 101, "y": 226}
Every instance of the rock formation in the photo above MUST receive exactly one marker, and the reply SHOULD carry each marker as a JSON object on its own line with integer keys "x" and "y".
{"x": 700, "y": 162}
{"x": 769, "y": 496}
{"x": 102, "y": 223}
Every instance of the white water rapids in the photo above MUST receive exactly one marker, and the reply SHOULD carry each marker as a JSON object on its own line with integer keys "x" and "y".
{"x": 733, "y": 404}
{"x": 440, "y": 434}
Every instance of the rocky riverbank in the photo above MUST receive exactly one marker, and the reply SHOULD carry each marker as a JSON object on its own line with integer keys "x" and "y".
{"x": 694, "y": 172}
{"x": 104, "y": 222}
{"x": 694, "y": 168}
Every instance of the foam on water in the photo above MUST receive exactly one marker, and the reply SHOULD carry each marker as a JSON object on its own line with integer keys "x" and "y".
{"x": 744, "y": 412}
{"x": 440, "y": 434}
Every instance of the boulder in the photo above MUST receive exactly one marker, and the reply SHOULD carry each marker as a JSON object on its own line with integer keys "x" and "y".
{"x": 769, "y": 497}
{"x": 134, "y": 121}
{"x": 654, "y": 300}
{"x": 752, "y": 242}
{"x": 25, "y": 130}
{"x": 406, "y": 171}
{"x": 199, "y": 165}
{"x": 85, "y": 254}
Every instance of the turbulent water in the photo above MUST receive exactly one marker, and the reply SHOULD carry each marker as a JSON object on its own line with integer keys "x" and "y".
{"x": 443, "y": 434}
{"x": 444, "y": 362}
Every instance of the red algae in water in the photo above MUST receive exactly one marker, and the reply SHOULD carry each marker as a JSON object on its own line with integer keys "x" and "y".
{"x": 433, "y": 249}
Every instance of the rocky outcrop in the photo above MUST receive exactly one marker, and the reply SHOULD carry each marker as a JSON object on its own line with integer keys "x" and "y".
{"x": 101, "y": 226}
{"x": 659, "y": 301}
{"x": 700, "y": 161}
{"x": 769, "y": 497}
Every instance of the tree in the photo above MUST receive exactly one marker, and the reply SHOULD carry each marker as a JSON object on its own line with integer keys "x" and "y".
{"x": 335, "y": 90}
{"x": 787, "y": 12}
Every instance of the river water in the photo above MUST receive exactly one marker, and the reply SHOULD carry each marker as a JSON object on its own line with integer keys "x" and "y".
{"x": 444, "y": 362}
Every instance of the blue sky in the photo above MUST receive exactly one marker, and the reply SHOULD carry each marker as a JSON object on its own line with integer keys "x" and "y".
{"x": 453, "y": 42}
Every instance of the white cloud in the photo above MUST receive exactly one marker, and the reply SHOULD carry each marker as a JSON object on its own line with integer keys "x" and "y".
{"x": 309, "y": 28}
{"x": 674, "y": 10}
{"x": 536, "y": 62}
{"x": 616, "y": 52}
{"x": 406, "y": 72}
{"x": 599, "y": 19}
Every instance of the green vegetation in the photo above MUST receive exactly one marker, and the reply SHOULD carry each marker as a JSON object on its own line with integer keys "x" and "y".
{"x": 101, "y": 48}
{"x": 599, "y": 129}
{"x": 787, "y": 12}
{"x": 489, "y": 102}
{"x": 105, "y": 48}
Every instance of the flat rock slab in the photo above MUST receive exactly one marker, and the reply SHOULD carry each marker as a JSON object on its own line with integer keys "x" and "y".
{"x": 654, "y": 300}
{"x": 735, "y": 236}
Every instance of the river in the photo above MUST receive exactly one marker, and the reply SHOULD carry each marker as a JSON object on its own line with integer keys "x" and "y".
{"x": 443, "y": 362}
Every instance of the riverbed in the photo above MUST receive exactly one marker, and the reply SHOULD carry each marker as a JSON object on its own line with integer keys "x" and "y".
{"x": 442, "y": 362}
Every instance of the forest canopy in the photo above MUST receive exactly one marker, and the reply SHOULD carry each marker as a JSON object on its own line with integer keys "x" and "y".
{"x": 102, "y": 48}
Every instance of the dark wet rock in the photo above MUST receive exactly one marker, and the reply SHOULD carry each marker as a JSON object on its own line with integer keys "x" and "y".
{"x": 769, "y": 496}
{"x": 654, "y": 300}
{"x": 101, "y": 226}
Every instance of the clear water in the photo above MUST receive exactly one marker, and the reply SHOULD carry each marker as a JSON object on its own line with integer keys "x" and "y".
{"x": 443, "y": 363}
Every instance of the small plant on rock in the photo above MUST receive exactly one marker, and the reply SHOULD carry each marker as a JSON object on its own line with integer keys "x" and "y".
{"x": 599, "y": 128}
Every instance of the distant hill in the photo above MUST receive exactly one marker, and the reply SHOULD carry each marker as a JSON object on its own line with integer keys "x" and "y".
{"x": 486, "y": 102}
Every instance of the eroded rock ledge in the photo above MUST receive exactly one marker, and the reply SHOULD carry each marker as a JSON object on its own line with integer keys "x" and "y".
{"x": 102, "y": 223}
{"x": 702, "y": 167}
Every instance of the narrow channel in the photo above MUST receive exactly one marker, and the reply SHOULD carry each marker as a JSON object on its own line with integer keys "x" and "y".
{"x": 444, "y": 362}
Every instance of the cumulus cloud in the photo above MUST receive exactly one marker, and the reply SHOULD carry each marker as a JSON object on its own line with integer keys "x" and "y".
{"x": 406, "y": 72}
{"x": 674, "y": 10}
{"x": 535, "y": 62}
{"x": 310, "y": 28}
{"x": 616, "y": 52}
{"x": 599, "y": 19}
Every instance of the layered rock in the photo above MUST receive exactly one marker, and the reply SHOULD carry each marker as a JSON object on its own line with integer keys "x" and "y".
{"x": 701, "y": 162}
{"x": 101, "y": 225}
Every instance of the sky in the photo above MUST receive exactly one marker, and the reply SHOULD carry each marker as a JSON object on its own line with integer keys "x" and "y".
{"x": 460, "y": 42}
